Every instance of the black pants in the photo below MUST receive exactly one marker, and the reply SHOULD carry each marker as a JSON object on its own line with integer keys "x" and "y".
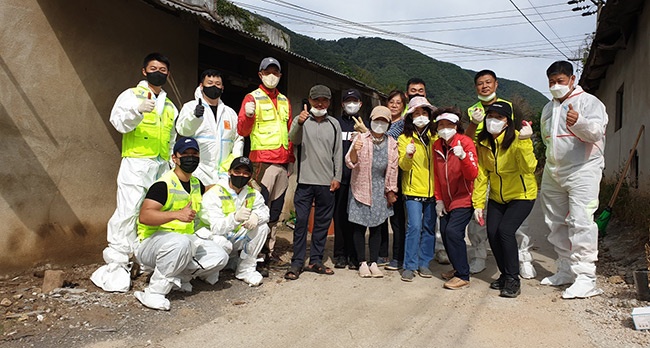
{"x": 323, "y": 200}
{"x": 374, "y": 239}
{"x": 502, "y": 222}
{"x": 343, "y": 228}
{"x": 398, "y": 225}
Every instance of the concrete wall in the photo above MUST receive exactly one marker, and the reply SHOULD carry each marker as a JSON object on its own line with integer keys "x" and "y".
{"x": 630, "y": 68}
{"x": 62, "y": 64}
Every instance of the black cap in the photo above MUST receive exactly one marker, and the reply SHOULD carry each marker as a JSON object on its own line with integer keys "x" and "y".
{"x": 185, "y": 143}
{"x": 351, "y": 93}
{"x": 242, "y": 162}
{"x": 502, "y": 108}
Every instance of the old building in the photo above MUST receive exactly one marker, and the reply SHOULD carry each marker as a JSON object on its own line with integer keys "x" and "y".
{"x": 63, "y": 63}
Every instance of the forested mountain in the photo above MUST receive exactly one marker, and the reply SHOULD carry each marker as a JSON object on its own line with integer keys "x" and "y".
{"x": 388, "y": 64}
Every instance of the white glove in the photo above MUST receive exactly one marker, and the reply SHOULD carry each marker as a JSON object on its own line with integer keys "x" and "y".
{"x": 242, "y": 214}
{"x": 478, "y": 216}
{"x": 147, "y": 106}
{"x": 477, "y": 115}
{"x": 250, "y": 109}
{"x": 410, "y": 149}
{"x": 458, "y": 151}
{"x": 440, "y": 208}
{"x": 252, "y": 221}
{"x": 526, "y": 130}
{"x": 223, "y": 242}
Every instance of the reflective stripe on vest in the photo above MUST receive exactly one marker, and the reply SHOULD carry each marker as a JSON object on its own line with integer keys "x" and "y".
{"x": 228, "y": 203}
{"x": 270, "y": 129}
{"x": 177, "y": 199}
{"x": 479, "y": 127}
{"x": 151, "y": 137}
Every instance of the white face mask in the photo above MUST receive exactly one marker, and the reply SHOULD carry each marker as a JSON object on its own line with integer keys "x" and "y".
{"x": 352, "y": 108}
{"x": 487, "y": 98}
{"x": 379, "y": 127}
{"x": 447, "y": 133}
{"x": 270, "y": 81}
{"x": 558, "y": 91}
{"x": 318, "y": 112}
{"x": 421, "y": 121}
{"x": 495, "y": 126}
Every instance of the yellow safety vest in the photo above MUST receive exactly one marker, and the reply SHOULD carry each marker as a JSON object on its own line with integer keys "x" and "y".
{"x": 479, "y": 127}
{"x": 177, "y": 199}
{"x": 228, "y": 203}
{"x": 270, "y": 129}
{"x": 152, "y": 136}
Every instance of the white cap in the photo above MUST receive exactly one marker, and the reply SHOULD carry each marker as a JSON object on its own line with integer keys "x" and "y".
{"x": 449, "y": 117}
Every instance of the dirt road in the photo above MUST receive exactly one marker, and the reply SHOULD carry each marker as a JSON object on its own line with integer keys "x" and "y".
{"x": 344, "y": 310}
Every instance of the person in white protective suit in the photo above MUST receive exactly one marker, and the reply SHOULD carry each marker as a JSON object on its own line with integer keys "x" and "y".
{"x": 234, "y": 210}
{"x": 167, "y": 222}
{"x": 214, "y": 125}
{"x": 573, "y": 127}
{"x": 486, "y": 84}
{"x": 145, "y": 117}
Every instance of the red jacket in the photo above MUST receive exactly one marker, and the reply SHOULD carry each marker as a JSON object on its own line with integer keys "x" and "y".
{"x": 454, "y": 178}
{"x": 245, "y": 126}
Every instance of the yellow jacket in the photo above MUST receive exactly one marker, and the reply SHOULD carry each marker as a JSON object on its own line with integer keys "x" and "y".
{"x": 417, "y": 171}
{"x": 511, "y": 172}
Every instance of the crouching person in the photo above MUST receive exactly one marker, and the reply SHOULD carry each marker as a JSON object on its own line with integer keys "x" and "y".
{"x": 234, "y": 210}
{"x": 166, "y": 231}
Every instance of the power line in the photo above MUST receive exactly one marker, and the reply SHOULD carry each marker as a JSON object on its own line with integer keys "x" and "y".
{"x": 549, "y": 26}
{"x": 540, "y": 33}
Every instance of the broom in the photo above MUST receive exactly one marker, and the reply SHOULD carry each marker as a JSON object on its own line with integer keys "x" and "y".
{"x": 605, "y": 215}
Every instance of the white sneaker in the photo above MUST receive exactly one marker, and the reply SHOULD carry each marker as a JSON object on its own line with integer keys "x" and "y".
{"x": 375, "y": 271}
{"x": 441, "y": 257}
{"x": 583, "y": 287}
{"x": 252, "y": 278}
{"x": 153, "y": 301}
{"x": 364, "y": 270}
{"x": 559, "y": 278}
{"x": 476, "y": 265}
{"x": 527, "y": 270}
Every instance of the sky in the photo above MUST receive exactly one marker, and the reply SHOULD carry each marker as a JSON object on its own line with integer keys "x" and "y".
{"x": 474, "y": 34}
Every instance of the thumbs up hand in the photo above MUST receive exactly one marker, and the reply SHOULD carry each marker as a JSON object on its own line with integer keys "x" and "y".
{"x": 304, "y": 115}
{"x": 147, "y": 105}
{"x": 526, "y": 130}
{"x": 200, "y": 109}
{"x": 458, "y": 151}
{"x": 186, "y": 214}
{"x": 410, "y": 148}
{"x": 571, "y": 116}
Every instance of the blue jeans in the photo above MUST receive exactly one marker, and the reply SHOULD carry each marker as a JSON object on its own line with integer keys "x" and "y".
{"x": 420, "y": 234}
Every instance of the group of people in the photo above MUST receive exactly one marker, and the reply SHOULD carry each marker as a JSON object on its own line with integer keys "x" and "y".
{"x": 410, "y": 166}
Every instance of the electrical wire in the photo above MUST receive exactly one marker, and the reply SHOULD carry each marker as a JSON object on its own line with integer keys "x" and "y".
{"x": 549, "y": 26}
{"x": 540, "y": 33}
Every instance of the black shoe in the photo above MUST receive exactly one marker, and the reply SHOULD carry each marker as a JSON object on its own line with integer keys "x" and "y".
{"x": 511, "y": 288}
{"x": 341, "y": 262}
{"x": 353, "y": 265}
{"x": 263, "y": 268}
{"x": 498, "y": 284}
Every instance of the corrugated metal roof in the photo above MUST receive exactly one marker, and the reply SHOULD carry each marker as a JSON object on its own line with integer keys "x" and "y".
{"x": 617, "y": 23}
{"x": 203, "y": 12}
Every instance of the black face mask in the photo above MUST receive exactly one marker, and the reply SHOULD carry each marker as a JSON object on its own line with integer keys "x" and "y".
{"x": 156, "y": 78}
{"x": 239, "y": 181}
{"x": 212, "y": 92}
{"x": 411, "y": 96}
{"x": 189, "y": 163}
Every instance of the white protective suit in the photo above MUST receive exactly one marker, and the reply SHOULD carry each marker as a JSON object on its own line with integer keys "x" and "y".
{"x": 135, "y": 177}
{"x": 248, "y": 243}
{"x": 176, "y": 259}
{"x": 217, "y": 137}
{"x": 570, "y": 185}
